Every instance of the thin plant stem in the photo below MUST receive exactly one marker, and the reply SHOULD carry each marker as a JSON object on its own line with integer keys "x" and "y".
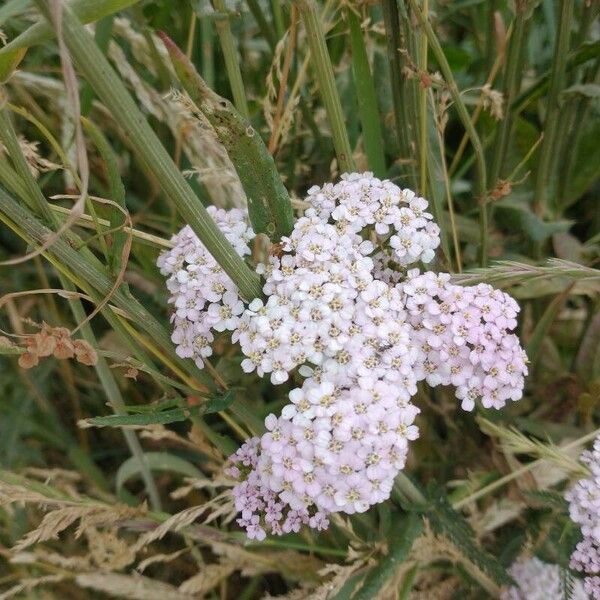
{"x": 283, "y": 81}
{"x": 449, "y": 198}
{"x": 544, "y": 178}
{"x": 326, "y": 81}
{"x": 423, "y": 120}
{"x": 189, "y": 49}
{"x": 512, "y": 82}
{"x": 479, "y": 108}
{"x": 208, "y": 56}
{"x": 232, "y": 61}
{"x": 391, "y": 18}
{"x": 463, "y": 114}
{"x": 367, "y": 97}
{"x": 278, "y": 18}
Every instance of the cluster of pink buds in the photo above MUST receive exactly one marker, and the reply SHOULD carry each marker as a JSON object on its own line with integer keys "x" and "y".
{"x": 584, "y": 509}
{"x": 343, "y": 313}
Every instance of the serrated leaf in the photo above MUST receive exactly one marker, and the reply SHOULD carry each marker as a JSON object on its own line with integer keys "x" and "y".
{"x": 448, "y": 522}
{"x": 155, "y": 461}
{"x": 219, "y": 403}
{"x": 142, "y": 419}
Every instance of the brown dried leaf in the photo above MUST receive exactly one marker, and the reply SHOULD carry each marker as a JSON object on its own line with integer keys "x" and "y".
{"x": 84, "y": 353}
{"x": 135, "y": 587}
{"x": 28, "y": 360}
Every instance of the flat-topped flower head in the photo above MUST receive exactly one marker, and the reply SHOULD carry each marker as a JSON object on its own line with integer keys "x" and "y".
{"x": 341, "y": 310}
{"x": 537, "y": 580}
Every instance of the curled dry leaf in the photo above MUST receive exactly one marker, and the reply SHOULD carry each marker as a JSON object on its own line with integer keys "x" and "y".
{"x": 84, "y": 353}
{"x": 28, "y": 360}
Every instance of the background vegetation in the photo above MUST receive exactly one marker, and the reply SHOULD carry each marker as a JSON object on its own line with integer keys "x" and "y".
{"x": 488, "y": 108}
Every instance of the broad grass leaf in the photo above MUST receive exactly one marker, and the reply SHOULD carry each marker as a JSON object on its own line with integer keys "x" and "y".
{"x": 156, "y": 461}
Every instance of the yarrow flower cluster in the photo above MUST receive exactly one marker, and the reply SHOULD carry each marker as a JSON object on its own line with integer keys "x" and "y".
{"x": 463, "y": 337}
{"x": 584, "y": 509}
{"x": 342, "y": 311}
{"x": 204, "y": 296}
{"x": 537, "y": 580}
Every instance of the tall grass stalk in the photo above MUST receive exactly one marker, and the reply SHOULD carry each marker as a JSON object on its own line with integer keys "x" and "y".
{"x": 323, "y": 69}
{"x": 423, "y": 119}
{"x": 465, "y": 118}
{"x": 232, "y": 59}
{"x": 95, "y": 67}
{"x": 545, "y": 179}
{"x": 367, "y": 98}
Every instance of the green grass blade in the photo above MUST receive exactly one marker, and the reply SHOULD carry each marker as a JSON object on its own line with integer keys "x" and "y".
{"x": 155, "y": 461}
{"x": 12, "y": 54}
{"x": 367, "y": 97}
{"x": 110, "y": 89}
{"x": 269, "y": 204}
{"x": 232, "y": 61}
{"x": 463, "y": 113}
{"x": 116, "y": 193}
{"x": 321, "y": 62}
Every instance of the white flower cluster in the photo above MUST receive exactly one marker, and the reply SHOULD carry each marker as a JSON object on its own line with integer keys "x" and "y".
{"x": 463, "y": 337}
{"x": 340, "y": 306}
{"x": 204, "y": 296}
{"x": 397, "y": 217}
{"x": 537, "y": 580}
{"x": 584, "y": 509}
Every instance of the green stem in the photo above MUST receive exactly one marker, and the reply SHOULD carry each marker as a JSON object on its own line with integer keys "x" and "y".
{"x": 423, "y": 121}
{"x": 512, "y": 82}
{"x": 265, "y": 29}
{"x": 327, "y": 86}
{"x": 391, "y": 19}
{"x": 463, "y": 114}
{"x": 232, "y": 60}
{"x": 367, "y": 97}
{"x": 544, "y": 175}
{"x": 269, "y": 203}
{"x": 110, "y": 89}
{"x": 278, "y": 18}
